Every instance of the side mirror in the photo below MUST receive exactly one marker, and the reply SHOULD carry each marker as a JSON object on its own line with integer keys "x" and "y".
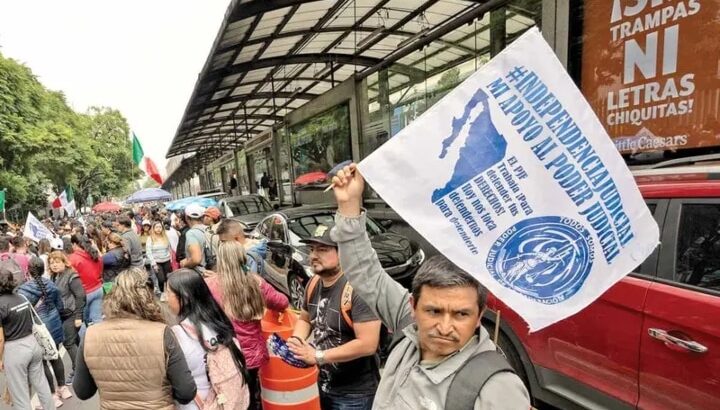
{"x": 387, "y": 223}
{"x": 276, "y": 207}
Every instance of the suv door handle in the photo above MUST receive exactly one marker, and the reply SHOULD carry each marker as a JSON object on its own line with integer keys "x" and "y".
{"x": 689, "y": 345}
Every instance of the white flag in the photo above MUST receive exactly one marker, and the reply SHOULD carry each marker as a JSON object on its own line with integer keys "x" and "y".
{"x": 35, "y": 230}
{"x": 514, "y": 179}
{"x": 69, "y": 207}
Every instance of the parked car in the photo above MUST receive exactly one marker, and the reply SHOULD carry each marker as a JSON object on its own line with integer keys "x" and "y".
{"x": 215, "y": 194}
{"x": 652, "y": 341}
{"x": 287, "y": 266}
{"x": 249, "y": 209}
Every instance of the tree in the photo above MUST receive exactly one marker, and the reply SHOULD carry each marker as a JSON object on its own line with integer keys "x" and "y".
{"x": 45, "y": 146}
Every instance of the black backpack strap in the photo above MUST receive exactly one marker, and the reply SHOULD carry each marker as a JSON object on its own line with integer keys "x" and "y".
{"x": 471, "y": 378}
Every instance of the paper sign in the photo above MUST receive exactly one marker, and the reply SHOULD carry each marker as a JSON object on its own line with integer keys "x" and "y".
{"x": 513, "y": 178}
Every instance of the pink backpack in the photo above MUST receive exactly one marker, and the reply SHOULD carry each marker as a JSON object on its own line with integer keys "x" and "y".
{"x": 228, "y": 388}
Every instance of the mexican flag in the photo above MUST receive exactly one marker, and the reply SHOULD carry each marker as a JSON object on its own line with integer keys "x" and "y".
{"x": 145, "y": 163}
{"x": 65, "y": 200}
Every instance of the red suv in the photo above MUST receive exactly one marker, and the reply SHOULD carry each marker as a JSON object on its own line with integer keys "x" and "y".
{"x": 652, "y": 341}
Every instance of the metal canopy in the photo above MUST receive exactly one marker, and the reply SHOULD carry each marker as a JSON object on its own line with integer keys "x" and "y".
{"x": 272, "y": 56}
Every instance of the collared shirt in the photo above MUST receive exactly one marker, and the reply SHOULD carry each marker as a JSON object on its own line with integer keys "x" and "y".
{"x": 406, "y": 383}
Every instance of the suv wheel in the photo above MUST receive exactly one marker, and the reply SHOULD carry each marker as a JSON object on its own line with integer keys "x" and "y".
{"x": 297, "y": 291}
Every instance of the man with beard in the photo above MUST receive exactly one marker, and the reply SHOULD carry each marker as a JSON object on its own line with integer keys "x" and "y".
{"x": 345, "y": 332}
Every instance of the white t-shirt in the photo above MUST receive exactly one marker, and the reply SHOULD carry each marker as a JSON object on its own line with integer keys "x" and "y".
{"x": 173, "y": 238}
{"x": 195, "y": 357}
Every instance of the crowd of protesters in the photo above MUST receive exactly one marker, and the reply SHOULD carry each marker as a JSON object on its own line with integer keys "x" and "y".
{"x": 152, "y": 306}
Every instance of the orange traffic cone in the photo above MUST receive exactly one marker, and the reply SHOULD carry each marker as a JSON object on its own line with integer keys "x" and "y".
{"x": 286, "y": 387}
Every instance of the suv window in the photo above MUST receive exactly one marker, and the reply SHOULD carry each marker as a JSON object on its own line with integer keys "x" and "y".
{"x": 305, "y": 227}
{"x": 249, "y": 205}
{"x": 277, "y": 229}
{"x": 264, "y": 227}
{"x": 698, "y": 246}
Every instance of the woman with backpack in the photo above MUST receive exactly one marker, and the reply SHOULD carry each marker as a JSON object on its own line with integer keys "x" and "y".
{"x": 153, "y": 373}
{"x": 21, "y": 358}
{"x": 73, "y": 297}
{"x": 116, "y": 259}
{"x": 243, "y": 296}
{"x": 159, "y": 251}
{"x": 45, "y": 296}
{"x": 207, "y": 339}
{"x": 86, "y": 261}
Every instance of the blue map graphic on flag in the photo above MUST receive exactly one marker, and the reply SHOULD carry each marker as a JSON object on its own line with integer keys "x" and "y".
{"x": 484, "y": 146}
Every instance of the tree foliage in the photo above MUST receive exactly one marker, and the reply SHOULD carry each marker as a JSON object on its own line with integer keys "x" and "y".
{"x": 45, "y": 146}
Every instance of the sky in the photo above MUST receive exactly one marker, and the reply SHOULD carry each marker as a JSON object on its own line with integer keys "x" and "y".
{"x": 141, "y": 57}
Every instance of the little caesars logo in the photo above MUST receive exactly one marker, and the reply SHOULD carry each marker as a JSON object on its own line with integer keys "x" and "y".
{"x": 546, "y": 259}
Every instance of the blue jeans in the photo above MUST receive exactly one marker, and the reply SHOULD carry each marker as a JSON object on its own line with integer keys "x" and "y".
{"x": 347, "y": 401}
{"x": 93, "y": 307}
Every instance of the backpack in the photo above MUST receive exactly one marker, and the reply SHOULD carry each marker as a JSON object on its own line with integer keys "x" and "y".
{"x": 208, "y": 252}
{"x": 345, "y": 299}
{"x": 228, "y": 386}
{"x": 470, "y": 379}
{"x": 7, "y": 262}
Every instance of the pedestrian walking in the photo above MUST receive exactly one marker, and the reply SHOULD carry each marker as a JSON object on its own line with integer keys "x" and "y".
{"x": 86, "y": 261}
{"x": 159, "y": 251}
{"x": 255, "y": 250}
{"x": 244, "y": 297}
{"x": 178, "y": 222}
{"x": 73, "y": 297}
{"x": 21, "y": 353}
{"x": 437, "y": 327}
{"x": 42, "y": 293}
{"x": 195, "y": 243}
{"x": 116, "y": 260}
{"x": 154, "y": 372}
{"x": 44, "y": 250}
{"x": 124, "y": 227}
{"x": 9, "y": 261}
{"x": 203, "y": 330}
{"x": 20, "y": 252}
{"x": 345, "y": 331}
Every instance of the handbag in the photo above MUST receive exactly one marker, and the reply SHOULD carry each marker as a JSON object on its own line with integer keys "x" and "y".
{"x": 42, "y": 335}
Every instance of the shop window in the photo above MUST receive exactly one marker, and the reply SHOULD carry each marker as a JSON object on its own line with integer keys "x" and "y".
{"x": 318, "y": 144}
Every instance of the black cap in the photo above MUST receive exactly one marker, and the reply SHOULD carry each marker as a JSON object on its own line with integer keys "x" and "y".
{"x": 321, "y": 236}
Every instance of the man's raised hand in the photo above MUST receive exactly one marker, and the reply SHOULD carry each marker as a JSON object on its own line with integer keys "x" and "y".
{"x": 348, "y": 188}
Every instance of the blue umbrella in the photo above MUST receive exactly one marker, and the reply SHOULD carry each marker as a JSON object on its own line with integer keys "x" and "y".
{"x": 182, "y": 203}
{"x": 149, "y": 195}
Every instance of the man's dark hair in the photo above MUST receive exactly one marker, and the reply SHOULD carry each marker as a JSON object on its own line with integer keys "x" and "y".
{"x": 439, "y": 272}
{"x": 7, "y": 282}
{"x": 4, "y": 243}
{"x": 231, "y": 227}
{"x": 18, "y": 242}
{"x": 125, "y": 221}
{"x": 108, "y": 225}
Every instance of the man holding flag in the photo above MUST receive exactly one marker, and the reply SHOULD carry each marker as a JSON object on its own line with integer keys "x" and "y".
{"x": 441, "y": 356}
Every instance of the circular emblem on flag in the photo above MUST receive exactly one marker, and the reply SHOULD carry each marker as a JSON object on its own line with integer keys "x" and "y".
{"x": 547, "y": 258}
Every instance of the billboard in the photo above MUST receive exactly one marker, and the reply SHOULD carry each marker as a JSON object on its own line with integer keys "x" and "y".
{"x": 651, "y": 72}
